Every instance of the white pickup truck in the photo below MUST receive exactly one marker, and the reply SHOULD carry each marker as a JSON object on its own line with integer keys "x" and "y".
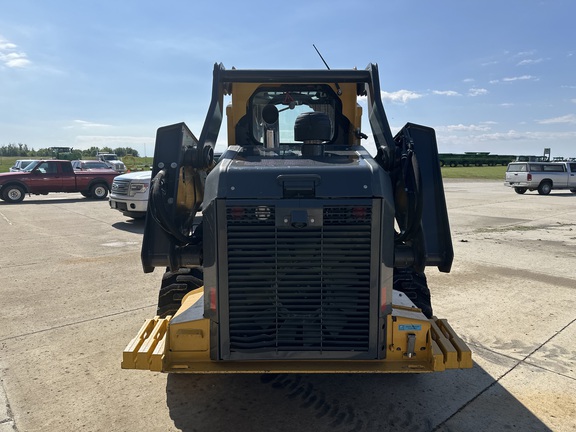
{"x": 112, "y": 161}
{"x": 541, "y": 176}
{"x": 129, "y": 193}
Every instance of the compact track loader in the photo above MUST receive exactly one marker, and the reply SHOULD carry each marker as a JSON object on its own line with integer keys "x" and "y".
{"x": 297, "y": 251}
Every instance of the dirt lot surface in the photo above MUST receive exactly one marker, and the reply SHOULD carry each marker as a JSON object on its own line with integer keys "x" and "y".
{"x": 73, "y": 294}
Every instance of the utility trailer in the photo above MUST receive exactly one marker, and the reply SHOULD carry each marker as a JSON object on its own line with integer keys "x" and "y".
{"x": 309, "y": 253}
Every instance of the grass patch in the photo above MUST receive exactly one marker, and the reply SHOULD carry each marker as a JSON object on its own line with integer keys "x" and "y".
{"x": 474, "y": 172}
{"x": 7, "y": 162}
{"x": 459, "y": 172}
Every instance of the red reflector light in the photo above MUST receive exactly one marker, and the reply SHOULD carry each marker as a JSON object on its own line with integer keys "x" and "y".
{"x": 359, "y": 212}
{"x": 237, "y": 212}
{"x": 212, "y": 299}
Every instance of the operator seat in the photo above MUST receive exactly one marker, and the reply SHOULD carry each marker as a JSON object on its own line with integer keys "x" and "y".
{"x": 313, "y": 129}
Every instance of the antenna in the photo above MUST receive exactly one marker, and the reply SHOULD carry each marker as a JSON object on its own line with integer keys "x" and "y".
{"x": 328, "y": 67}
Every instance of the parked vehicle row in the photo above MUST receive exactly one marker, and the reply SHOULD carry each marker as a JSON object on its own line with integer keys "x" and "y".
{"x": 105, "y": 161}
{"x": 46, "y": 176}
{"x": 92, "y": 178}
{"x": 541, "y": 176}
{"x": 129, "y": 192}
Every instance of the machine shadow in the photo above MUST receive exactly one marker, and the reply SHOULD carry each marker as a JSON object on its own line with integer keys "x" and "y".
{"x": 347, "y": 402}
{"x": 32, "y": 201}
{"x": 130, "y": 225}
{"x": 564, "y": 194}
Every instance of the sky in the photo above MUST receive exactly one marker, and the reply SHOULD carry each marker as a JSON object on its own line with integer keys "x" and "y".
{"x": 496, "y": 76}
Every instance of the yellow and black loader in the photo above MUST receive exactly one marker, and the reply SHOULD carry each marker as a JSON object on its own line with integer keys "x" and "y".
{"x": 296, "y": 250}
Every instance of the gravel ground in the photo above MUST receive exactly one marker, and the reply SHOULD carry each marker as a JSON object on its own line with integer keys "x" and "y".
{"x": 73, "y": 294}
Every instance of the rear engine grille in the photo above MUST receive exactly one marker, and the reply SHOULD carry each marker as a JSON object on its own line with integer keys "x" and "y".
{"x": 305, "y": 290}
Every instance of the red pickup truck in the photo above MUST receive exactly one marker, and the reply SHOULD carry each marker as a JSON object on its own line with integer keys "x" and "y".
{"x": 44, "y": 176}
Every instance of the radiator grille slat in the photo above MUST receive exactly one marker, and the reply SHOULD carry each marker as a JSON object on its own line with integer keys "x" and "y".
{"x": 305, "y": 290}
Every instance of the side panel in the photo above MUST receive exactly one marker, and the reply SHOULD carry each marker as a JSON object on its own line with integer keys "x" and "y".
{"x": 68, "y": 178}
{"x": 556, "y": 173}
{"x": 45, "y": 178}
{"x": 172, "y": 143}
{"x": 83, "y": 180}
{"x": 435, "y": 225}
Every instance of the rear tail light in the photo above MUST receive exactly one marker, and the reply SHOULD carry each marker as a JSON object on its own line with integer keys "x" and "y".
{"x": 529, "y": 177}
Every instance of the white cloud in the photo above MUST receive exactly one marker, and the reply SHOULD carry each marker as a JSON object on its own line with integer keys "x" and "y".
{"x": 446, "y": 93}
{"x": 83, "y": 124}
{"x": 569, "y": 118}
{"x": 463, "y": 128}
{"x": 5, "y": 45}
{"x": 520, "y": 78}
{"x": 510, "y": 135}
{"x": 400, "y": 96}
{"x": 10, "y": 57}
{"x": 477, "y": 92}
{"x": 524, "y": 54}
{"x": 530, "y": 62}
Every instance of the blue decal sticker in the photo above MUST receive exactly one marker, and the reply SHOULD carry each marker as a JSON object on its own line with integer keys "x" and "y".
{"x": 410, "y": 327}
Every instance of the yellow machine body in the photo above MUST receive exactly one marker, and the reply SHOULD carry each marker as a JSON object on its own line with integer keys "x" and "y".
{"x": 417, "y": 344}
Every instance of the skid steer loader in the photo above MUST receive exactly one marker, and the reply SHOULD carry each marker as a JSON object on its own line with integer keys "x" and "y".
{"x": 297, "y": 251}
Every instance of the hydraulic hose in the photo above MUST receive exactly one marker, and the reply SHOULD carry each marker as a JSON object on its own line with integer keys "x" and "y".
{"x": 160, "y": 213}
{"x": 412, "y": 185}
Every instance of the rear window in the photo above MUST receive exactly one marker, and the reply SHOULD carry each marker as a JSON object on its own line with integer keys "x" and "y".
{"x": 96, "y": 164}
{"x": 516, "y": 167}
{"x": 287, "y": 105}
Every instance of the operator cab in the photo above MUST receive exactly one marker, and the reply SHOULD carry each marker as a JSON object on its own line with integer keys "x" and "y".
{"x": 284, "y": 118}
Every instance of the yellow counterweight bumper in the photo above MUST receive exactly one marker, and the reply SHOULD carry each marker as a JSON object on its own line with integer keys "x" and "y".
{"x": 415, "y": 344}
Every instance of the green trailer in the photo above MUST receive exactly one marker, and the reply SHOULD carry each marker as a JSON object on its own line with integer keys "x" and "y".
{"x": 474, "y": 158}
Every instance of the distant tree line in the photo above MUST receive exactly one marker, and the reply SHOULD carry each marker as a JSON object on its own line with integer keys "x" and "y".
{"x": 23, "y": 150}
